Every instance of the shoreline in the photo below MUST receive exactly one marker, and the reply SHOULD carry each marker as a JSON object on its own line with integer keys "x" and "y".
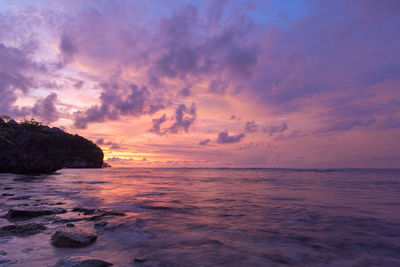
{"x": 55, "y": 221}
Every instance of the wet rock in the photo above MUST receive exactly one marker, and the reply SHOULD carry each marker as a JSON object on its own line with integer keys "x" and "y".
{"x": 84, "y": 211}
{"x": 22, "y": 229}
{"x": 70, "y": 225}
{"x": 72, "y": 237}
{"x": 31, "y": 213}
{"x": 81, "y": 261}
{"x": 4, "y": 260}
{"x": 68, "y": 220}
{"x": 8, "y": 188}
{"x": 7, "y": 195}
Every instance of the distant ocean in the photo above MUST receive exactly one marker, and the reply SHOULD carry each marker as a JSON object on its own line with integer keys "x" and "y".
{"x": 218, "y": 217}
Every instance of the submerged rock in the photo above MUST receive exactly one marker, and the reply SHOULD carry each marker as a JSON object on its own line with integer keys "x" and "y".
{"x": 84, "y": 211}
{"x": 73, "y": 237}
{"x": 4, "y": 260}
{"x": 22, "y": 230}
{"x": 30, "y": 213}
{"x": 81, "y": 261}
{"x": 30, "y": 147}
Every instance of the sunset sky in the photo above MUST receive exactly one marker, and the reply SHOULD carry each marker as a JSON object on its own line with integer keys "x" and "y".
{"x": 302, "y": 84}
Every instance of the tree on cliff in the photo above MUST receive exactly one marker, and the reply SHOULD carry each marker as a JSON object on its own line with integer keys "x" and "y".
{"x": 31, "y": 147}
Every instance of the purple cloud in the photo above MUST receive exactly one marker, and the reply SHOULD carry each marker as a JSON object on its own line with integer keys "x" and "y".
{"x": 184, "y": 118}
{"x": 15, "y": 65}
{"x": 156, "y": 129}
{"x": 45, "y": 109}
{"x": 119, "y": 100}
{"x": 112, "y": 145}
{"x": 217, "y": 86}
{"x": 251, "y": 127}
{"x": 185, "y": 91}
{"x": 273, "y": 129}
{"x": 225, "y": 138}
{"x": 68, "y": 49}
{"x": 204, "y": 142}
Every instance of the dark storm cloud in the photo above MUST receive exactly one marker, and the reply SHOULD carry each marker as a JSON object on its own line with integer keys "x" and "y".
{"x": 225, "y": 138}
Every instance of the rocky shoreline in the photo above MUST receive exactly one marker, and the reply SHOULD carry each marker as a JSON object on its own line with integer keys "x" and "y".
{"x": 25, "y": 214}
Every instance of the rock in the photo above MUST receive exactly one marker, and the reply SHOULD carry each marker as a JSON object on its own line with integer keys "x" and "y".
{"x": 7, "y": 195}
{"x": 68, "y": 220}
{"x": 22, "y": 229}
{"x": 30, "y": 147}
{"x": 3, "y": 252}
{"x": 4, "y": 259}
{"x": 30, "y": 213}
{"x": 81, "y": 261}
{"x": 72, "y": 237}
{"x": 70, "y": 225}
{"x": 85, "y": 211}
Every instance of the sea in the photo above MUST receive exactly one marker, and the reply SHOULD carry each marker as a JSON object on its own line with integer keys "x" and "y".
{"x": 213, "y": 217}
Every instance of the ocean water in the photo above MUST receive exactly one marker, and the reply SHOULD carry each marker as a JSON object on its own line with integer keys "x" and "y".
{"x": 217, "y": 217}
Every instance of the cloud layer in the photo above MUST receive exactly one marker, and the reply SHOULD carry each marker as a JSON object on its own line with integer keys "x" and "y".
{"x": 298, "y": 76}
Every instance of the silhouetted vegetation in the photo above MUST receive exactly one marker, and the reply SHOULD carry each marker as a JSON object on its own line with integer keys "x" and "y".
{"x": 31, "y": 147}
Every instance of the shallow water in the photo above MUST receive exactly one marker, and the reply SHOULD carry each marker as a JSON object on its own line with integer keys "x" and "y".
{"x": 208, "y": 217}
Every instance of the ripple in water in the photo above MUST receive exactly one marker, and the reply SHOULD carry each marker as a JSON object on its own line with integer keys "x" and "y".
{"x": 208, "y": 217}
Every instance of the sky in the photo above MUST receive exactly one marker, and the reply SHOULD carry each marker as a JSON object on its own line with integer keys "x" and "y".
{"x": 275, "y": 84}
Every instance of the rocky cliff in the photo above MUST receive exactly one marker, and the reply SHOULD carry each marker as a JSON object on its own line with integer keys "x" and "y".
{"x": 30, "y": 147}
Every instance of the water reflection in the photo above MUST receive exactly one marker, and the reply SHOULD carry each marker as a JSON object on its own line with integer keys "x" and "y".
{"x": 248, "y": 217}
